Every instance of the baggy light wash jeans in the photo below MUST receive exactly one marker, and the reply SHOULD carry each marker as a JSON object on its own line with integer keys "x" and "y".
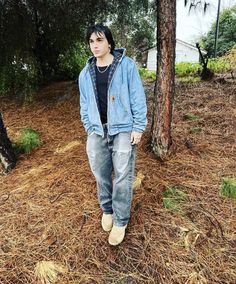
{"x": 107, "y": 154}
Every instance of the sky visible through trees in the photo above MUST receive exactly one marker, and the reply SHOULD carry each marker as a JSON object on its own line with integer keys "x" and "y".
{"x": 191, "y": 26}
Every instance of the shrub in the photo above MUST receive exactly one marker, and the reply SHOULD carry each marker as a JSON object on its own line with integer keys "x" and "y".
{"x": 183, "y": 69}
{"x": 228, "y": 187}
{"x": 189, "y": 72}
{"x": 219, "y": 65}
{"x": 230, "y": 57}
{"x": 20, "y": 77}
{"x": 144, "y": 73}
{"x": 73, "y": 61}
{"x": 27, "y": 140}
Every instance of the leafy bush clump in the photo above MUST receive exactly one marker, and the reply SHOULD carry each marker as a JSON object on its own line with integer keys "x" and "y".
{"x": 228, "y": 187}
{"x": 230, "y": 57}
{"x": 20, "y": 77}
{"x": 73, "y": 61}
{"x": 183, "y": 69}
{"x": 173, "y": 198}
{"x": 219, "y": 65}
{"x": 27, "y": 140}
{"x": 146, "y": 74}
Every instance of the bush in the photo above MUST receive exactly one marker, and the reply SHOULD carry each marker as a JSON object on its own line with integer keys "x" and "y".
{"x": 230, "y": 57}
{"x": 183, "y": 69}
{"x": 73, "y": 61}
{"x": 27, "y": 140}
{"x": 219, "y": 65}
{"x": 146, "y": 74}
{"x": 19, "y": 77}
{"x": 189, "y": 72}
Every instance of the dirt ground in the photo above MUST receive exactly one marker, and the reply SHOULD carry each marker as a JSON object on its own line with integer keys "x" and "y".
{"x": 49, "y": 208}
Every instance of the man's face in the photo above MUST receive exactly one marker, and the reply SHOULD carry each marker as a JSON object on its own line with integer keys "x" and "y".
{"x": 99, "y": 45}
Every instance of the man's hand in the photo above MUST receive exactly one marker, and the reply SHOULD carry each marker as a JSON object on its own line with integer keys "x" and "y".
{"x": 135, "y": 137}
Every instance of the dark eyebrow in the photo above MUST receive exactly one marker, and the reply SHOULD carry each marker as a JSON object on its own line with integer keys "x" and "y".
{"x": 99, "y": 37}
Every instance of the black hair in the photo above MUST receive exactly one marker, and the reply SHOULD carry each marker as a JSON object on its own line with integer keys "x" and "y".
{"x": 98, "y": 29}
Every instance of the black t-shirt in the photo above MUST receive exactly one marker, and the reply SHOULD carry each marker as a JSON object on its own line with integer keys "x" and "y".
{"x": 102, "y": 84}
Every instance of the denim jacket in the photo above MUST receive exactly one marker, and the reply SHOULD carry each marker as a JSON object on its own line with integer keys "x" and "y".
{"x": 126, "y": 104}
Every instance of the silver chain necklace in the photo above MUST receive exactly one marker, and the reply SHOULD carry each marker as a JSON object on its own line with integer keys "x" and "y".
{"x": 103, "y": 70}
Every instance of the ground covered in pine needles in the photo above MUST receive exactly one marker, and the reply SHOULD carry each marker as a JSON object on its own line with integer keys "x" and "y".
{"x": 50, "y": 228}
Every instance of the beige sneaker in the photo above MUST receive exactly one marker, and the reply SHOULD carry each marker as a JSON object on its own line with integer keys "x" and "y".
{"x": 107, "y": 222}
{"x": 117, "y": 235}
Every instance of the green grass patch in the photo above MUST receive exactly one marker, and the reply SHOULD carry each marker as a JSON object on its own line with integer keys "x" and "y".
{"x": 191, "y": 116}
{"x": 228, "y": 187}
{"x": 146, "y": 74}
{"x": 173, "y": 197}
{"x": 26, "y": 141}
{"x": 195, "y": 129}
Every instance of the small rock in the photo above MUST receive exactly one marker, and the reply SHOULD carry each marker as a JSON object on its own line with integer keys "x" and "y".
{"x": 189, "y": 144}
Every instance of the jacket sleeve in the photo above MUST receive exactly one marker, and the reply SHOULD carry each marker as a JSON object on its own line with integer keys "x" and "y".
{"x": 84, "y": 105}
{"x": 137, "y": 100}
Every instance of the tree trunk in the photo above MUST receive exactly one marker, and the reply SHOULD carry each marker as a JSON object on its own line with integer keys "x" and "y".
{"x": 7, "y": 155}
{"x": 165, "y": 81}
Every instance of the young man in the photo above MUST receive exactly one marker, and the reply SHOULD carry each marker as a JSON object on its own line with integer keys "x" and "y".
{"x": 113, "y": 112}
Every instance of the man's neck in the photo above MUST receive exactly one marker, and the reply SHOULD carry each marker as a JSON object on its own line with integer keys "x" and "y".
{"x": 106, "y": 60}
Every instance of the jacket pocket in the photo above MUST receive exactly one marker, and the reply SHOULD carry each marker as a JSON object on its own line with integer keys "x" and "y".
{"x": 119, "y": 111}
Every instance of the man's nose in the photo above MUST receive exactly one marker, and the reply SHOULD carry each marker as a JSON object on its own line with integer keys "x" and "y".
{"x": 95, "y": 44}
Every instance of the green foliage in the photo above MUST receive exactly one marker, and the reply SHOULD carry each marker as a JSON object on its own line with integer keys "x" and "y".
{"x": 19, "y": 77}
{"x": 146, "y": 74}
{"x": 230, "y": 57}
{"x": 48, "y": 32}
{"x": 188, "y": 72}
{"x": 43, "y": 30}
{"x": 73, "y": 61}
{"x": 132, "y": 25}
{"x": 228, "y": 187}
{"x": 191, "y": 116}
{"x": 173, "y": 197}
{"x": 142, "y": 38}
{"x": 183, "y": 69}
{"x": 227, "y": 33}
{"x": 27, "y": 140}
{"x": 220, "y": 65}
{"x": 195, "y": 129}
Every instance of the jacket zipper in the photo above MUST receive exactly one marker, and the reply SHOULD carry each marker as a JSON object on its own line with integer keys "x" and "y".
{"x": 108, "y": 96}
{"x": 96, "y": 104}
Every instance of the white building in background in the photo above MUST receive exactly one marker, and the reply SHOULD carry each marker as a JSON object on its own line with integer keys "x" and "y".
{"x": 185, "y": 52}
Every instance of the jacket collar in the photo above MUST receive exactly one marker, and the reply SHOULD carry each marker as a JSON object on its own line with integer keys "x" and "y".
{"x": 118, "y": 54}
